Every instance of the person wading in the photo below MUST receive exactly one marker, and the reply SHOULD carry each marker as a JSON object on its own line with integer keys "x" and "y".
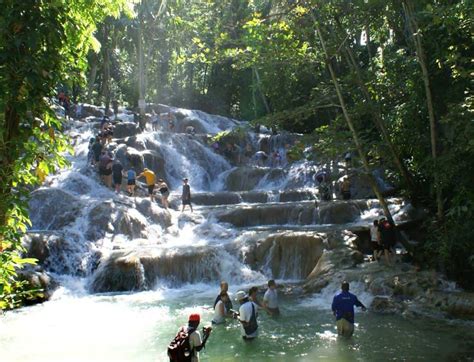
{"x": 220, "y": 310}
{"x": 186, "y": 345}
{"x": 225, "y": 289}
{"x": 270, "y": 299}
{"x": 343, "y": 309}
{"x": 247, "y": 316}
{"x": 165, "y": 192}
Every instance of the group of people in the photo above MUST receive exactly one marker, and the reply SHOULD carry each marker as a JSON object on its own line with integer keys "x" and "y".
{"x": 188, "y": 341}
{"x": 383, "y": 239}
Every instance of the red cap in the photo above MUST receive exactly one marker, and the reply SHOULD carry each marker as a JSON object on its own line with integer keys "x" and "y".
{"x": 194, "y": 318}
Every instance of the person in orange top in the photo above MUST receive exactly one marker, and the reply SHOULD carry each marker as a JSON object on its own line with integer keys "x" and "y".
{"x": 150, "y": 181}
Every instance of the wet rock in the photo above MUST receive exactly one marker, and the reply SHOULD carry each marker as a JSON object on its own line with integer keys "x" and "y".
{"x": 253, "y": 215}
{"x": 190, "y": 121}
{"x": 100, "y": 220}
{"x": 278, "y": 253}
{"x": 296, "y": 195}
{"x": 247, "y": 178}
{"x": 385, "y": 305}
{"x": 141, "y": 269}
{"x": 88, "y": 110}
{"x": 119, "y": 273}
{"x": 456, "y": 303}
{"x": 131, "y": 223}
{"x": 38, "y": 279}
{"x": 340, "y": 212}
{"x": 155, "y": 161}
{"x": 254, "y": 196}
{"x": 53, "y": 209}
{"x": 216, "y": 198}
{"x": 126, "y": 129}
{"x": 36, "y": 246}
{"x": 154, "y": 213}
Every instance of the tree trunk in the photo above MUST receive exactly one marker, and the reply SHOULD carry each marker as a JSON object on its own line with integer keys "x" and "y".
{"x": 141, "y": 76}
{"x": 92, "y": 77}
{"x": 420, "y": 54}
{"x": 259, "y": 86}
{"x": 106, "y": 70}
{"x": 355, "y": 136}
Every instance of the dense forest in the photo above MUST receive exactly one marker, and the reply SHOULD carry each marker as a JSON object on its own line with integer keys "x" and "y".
{"x": 389, "y": 80}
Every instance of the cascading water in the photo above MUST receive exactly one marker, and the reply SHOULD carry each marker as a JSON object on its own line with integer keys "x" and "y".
{"x": 150, "y": 268}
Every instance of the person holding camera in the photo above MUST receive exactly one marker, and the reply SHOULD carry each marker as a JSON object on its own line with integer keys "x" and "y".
{"x": 186, "y": 345}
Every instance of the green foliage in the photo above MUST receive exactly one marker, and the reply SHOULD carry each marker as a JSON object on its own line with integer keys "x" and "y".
{"x": 42, "y": 44}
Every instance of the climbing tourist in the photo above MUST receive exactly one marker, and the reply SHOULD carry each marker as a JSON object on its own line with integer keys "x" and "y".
{"x": 165, "y": 193}
{"x": 187, "y": 343}
{"x": 115, "y": 106}
{"x": 117, "y": 170}
{"x": 90, "y": 153}
{"x": 324, "y": 190}
{"x": 247, "y": 316}
{"x": 225, "y": 289}
{"x": 343, "y": 309}
{"x": 105, "y": 168}
{"x": 96, "y": 151}
{"x": 131, "y": 181}
{"x": 346, "y": 188}
{"x": 375, "y": 240}
{"x": 150, "y": 182}
{"x": 387, "y": 239}
{"x": 220, "y": 310}
{"x": 186, "y": 195}
{"x": 270, "y": 299}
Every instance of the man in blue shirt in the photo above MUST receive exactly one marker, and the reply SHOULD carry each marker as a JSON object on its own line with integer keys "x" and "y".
{"x": 343, "y": 308}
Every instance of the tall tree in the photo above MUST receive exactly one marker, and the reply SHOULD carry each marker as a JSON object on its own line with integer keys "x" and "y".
{"x": 42, "y": 43}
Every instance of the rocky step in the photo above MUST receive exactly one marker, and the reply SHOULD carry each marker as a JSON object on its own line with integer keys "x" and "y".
{"x": 252, "y": 197}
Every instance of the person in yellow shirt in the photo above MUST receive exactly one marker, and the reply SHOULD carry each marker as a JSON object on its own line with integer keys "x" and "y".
{"x": 150, "y": 182}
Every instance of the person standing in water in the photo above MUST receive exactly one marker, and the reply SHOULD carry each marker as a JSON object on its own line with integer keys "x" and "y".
{"x": 186, "y": 195}
{"x": 165, "y": 192}
{"x": 247, "y": 316}
{"x": 224, "y": 289}
{"x": 270, "y": 299}
{"x": 343, "y": 309}
{"x": 220, "y": 310}
{"x": 196, "y": 344}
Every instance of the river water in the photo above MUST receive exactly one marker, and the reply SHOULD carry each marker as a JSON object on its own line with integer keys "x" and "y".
{"x": 138, "y": 327}
{"x": 76, "y": 325}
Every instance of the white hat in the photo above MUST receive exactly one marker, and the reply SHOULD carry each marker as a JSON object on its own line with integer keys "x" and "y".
{"x": 240, "y": 295}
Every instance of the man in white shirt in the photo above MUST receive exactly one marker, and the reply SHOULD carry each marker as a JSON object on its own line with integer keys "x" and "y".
{"x": 247, "y": 316}
{"x": 270, "y": 299}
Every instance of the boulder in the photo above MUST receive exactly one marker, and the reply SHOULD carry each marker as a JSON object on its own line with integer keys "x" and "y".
{"x": 126, "y": 129}
{"x": 386, "y": 305}
{"x": 288, "y": 255}
{"x": 247, "y": 178}
{"x": 88, "y": 110}
{"x": 53, "y": 209}
{"x": 38, "y": 279}
{"x": 340, "y": 212}
{"x": 154, "y": 213}
{"x": 216, "y": 198}
{"x": 296, "y": 195}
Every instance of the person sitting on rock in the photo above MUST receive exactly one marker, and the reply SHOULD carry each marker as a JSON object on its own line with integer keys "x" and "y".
{"x": 343, "y": 309}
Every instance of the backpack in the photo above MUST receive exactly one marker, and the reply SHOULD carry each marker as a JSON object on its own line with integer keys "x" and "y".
{"x": 252, "y": 324}
{"x": 179, "y": 349}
